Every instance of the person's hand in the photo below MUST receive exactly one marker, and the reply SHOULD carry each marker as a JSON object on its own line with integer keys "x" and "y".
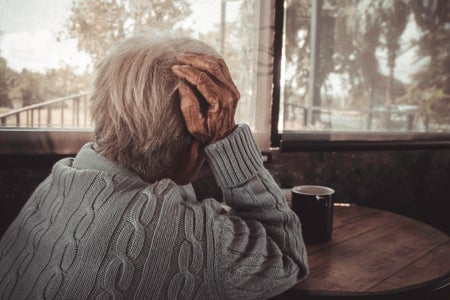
{"x": 211, "y": 77}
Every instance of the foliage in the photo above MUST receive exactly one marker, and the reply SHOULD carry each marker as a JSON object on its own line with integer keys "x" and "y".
{"x": 32, "y": 87}
{"x": 354, "y": 33}
{"x": 4, "y": 83}
{"x": 63, "y": 82}
{"x": 97, "y": 24}
{"x": 433, "y": 79}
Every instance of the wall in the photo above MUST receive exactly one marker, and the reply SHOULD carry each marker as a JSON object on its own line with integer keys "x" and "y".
{"x": 413, "y": 183}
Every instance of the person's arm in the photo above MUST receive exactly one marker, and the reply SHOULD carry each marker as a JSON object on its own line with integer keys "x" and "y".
{"x": 259, "y": 246}
{"x": 259, "y": 250}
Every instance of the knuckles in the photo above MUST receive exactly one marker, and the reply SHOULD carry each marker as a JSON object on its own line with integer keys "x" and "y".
{"x": 203, "y": 78}
{"x": 221, "y": 62}
{"x": 216, "y": 68}
{"x": 215, "y": 83}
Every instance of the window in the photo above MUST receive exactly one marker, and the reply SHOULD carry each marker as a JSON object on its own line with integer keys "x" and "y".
{"x": 308, "y": 70}
{"x": 371, "y": 70}
{"x": 47, "y": 55}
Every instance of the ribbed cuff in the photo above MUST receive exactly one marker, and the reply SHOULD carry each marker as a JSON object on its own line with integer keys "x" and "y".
{"x": 234, "y": 159}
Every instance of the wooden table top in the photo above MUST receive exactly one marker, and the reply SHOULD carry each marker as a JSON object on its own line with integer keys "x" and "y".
{"x": 375, "y": 251}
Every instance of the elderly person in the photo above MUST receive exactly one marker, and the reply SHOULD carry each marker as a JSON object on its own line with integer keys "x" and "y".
{"x": 120, "y": 220}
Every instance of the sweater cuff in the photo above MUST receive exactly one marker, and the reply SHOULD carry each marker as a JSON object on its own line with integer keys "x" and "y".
{"x": 234, "y": 159}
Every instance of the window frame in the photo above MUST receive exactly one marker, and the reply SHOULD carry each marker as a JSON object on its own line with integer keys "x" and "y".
{"x": 33, "y": 141}
{"x": 290, "y": 141}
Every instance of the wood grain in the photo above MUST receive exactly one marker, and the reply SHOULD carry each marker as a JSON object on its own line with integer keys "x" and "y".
{"x": 374, "y": 250}
{"x": 434, "y": 264}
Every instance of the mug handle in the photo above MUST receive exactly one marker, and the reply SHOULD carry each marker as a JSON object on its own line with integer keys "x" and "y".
{"x": 322, "y": 198}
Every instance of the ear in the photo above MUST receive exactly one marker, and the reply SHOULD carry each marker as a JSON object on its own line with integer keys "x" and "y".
{"x": 189, "y": 164}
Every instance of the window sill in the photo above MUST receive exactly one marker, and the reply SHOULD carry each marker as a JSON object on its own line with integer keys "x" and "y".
{"x": 349, "y": 141}
{"x": 43, "y": 141}
{"x": 69, "y": 141}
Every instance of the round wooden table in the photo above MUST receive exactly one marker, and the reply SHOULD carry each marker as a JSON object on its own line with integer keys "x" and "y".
{"x": 374, "y": 252}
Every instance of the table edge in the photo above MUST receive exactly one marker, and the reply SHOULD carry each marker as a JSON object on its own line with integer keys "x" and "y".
{"x": 426, "y": 286}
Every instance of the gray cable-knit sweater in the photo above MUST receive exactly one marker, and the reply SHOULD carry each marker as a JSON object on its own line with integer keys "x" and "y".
{"x": 95, "y": 230}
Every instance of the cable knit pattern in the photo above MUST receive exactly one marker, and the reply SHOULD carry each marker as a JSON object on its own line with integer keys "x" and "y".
{"x": 95, "y": 230}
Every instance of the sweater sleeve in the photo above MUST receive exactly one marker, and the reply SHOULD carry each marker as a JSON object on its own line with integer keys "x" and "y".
{"x": 259, "y": 249}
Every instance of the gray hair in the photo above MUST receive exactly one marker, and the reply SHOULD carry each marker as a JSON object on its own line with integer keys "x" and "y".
{"x": 135, "y": 103}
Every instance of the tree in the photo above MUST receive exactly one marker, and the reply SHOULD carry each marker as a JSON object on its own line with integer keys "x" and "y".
{"x": 432, "y": 81}
{"x": 5, "y": 101}
{"x": 394, "y": 18}
{"x": 357, "y": 32}
{"x": 97, "y": 24}
{"x": 64, "y": 81}
{"x": 298, "y": 18}
{"x": 30, "y": 87}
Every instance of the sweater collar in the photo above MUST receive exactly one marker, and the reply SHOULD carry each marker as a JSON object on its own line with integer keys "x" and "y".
{"x": 88, "y": 158}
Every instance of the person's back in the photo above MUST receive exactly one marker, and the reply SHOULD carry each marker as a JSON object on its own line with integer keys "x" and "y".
{"x": 76, "y": 238}
{"x": 99, "y": 227}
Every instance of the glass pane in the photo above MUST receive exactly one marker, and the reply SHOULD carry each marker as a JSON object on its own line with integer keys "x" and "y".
{"x": 48, "y": 50}
{"x": 378, "y": 66}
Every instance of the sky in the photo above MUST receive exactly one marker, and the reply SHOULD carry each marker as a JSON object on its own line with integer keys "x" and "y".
{"x": 28, "y": 35}
{"x": 29, "y": 29}
{"x": 38, "y": 50}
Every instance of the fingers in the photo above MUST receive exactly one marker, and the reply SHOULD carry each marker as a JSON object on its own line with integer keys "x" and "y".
{"x": 190, "y": 109}
{"x": 206, "y": 86}
{"x": 212, "y": 82}
{"x": 214, "y": 66}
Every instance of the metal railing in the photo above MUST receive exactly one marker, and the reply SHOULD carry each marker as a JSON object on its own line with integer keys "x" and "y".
{"x": 301, "y": 117}
{"x": 66, "y": 112}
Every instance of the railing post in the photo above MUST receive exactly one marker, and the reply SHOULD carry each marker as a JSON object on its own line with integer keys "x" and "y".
{"x": 85, "y": 110}
{"x": 78, "y": 111}
{"x": 49, "y": 116}
{"x": 62, "y": 114}
{"x": 32, "y": 121}
{"x": 369, "y": 120}
{"x": 410, "y": 122}
{"x": 305, "y": 116}
{"x": 73, "y": 112}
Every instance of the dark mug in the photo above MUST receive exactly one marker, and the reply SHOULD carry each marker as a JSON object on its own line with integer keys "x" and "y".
{"x": 314, "y": 206}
